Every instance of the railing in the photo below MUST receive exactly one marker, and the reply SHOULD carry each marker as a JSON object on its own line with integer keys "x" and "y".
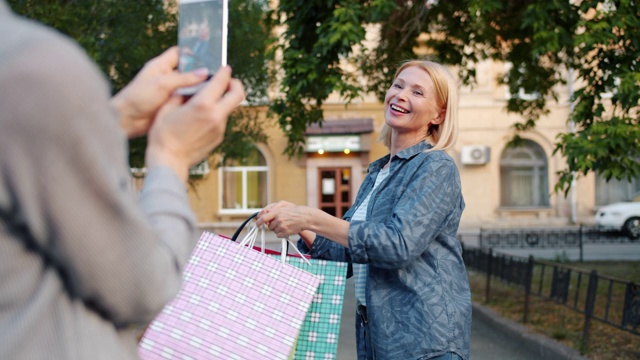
{"x": 612, "y": 301}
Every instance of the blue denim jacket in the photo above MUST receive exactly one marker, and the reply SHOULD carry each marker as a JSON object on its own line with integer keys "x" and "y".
{"x": 418, "y": 298}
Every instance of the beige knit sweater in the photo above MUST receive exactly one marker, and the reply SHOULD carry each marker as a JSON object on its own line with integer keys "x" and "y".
{"x": 64, "y": 186}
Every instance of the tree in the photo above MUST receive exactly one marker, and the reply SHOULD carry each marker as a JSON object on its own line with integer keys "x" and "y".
{"x": 120, "y": 36}
{"x": 317, "y": 36}
{"x": 542, "y": 40}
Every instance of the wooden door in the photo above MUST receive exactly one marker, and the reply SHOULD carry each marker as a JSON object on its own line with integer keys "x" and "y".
{"x": 334, "y": 190}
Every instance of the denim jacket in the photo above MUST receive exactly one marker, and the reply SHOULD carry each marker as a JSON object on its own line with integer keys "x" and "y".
{"x": 417, "y": 294}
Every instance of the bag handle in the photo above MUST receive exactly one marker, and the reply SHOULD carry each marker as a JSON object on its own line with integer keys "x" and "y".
{"x": 250, "y": 239}
{"x": 234, "y": 237}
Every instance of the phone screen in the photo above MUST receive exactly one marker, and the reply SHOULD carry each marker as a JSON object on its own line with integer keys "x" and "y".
{"x": 202, "y": 36}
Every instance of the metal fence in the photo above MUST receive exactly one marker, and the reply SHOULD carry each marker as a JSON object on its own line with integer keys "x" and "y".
{"x": 615, "y": 302}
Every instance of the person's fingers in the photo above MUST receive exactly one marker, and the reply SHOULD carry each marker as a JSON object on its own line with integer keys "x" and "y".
{"x": 265, "y": 218}
{"x": 234, "y": 95}
{"x": 283, "y": 204}
{"x": 175, "y": 80}
{"x": 173, "y": 103}
{"x": 260, "y": 217}
{"x": 273, "y": 226}
{"x": 259, "y": 220}
{"x": 166, "y": 61}
{"x": 216, "y": 87}
{"x": 274, "y": 204}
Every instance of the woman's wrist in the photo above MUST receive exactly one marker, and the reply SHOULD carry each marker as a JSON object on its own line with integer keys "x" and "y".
{"x": 308, "y": 237}
{"x": 156, "y": 157}
{"x": 119, "y": 104}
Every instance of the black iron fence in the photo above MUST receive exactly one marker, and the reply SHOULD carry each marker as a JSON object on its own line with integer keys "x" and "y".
{"x": 612, "y": 301}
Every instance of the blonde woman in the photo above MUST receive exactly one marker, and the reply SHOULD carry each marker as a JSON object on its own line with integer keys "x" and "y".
{"x": 400, "y": 235}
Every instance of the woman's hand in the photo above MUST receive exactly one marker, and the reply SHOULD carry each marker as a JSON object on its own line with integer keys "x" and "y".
{"x": 184, "y": 133}
{"x": 285, "y": 218}
{"x": 138, "y": 103}
{"x": 270, "y": 213}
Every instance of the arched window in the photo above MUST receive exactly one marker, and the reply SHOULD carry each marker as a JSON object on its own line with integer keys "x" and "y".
{"x": 524, "y": 176}
{"x": 244, "y": 183}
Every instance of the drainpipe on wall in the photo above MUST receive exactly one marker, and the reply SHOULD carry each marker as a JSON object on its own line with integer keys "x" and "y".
{"x": 572, "y": 128}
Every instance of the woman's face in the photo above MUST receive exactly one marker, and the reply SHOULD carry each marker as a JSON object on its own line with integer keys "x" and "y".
{"x": 410, "y": 103}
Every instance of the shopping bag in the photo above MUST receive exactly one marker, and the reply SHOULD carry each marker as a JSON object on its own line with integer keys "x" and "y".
{"x": 235, "y": 303}
{"x": 318, "y": 338}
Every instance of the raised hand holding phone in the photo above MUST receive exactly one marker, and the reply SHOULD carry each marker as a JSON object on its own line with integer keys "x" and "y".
{"x": 184, "y": 133}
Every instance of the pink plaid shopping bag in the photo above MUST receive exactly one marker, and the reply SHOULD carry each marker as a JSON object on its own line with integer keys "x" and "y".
{"x": 235, "y": 303}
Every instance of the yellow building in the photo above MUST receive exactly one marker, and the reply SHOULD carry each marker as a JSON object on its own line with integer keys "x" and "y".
{"x": 502, "y": 186}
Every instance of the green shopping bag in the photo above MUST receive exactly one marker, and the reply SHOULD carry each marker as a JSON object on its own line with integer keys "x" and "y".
{"x": 318, "y": 338}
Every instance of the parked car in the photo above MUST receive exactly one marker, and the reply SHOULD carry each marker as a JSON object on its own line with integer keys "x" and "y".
{"x": 622, "y": 216}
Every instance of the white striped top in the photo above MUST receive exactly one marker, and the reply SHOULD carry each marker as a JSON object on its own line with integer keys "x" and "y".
{"x": 361, "y": 271}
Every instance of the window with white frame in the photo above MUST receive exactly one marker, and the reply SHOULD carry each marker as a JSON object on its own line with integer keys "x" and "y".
{"x": 614, "y": 190}
{"x": 244, "y": 184}
{"x": 524, "y": 176}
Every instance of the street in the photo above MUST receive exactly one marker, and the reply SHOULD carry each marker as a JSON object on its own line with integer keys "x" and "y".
{"x": 628, "y": 251}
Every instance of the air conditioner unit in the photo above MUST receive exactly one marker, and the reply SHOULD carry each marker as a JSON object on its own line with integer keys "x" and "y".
{"x": 475, "y": 155}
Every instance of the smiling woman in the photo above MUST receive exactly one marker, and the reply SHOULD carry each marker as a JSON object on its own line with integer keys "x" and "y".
{"x": 420, "y": 100}
{"x": 399, "y": 237}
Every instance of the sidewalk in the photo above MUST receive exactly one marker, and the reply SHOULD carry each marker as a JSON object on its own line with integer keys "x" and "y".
{"x": 495, "y": 337}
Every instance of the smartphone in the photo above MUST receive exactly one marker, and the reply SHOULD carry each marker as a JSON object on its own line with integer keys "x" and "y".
{"x": 202, "y": 37}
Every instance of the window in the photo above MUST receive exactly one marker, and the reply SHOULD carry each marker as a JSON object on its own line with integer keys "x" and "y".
{"x": 244, "y": 184}
{"x": 615, "y": 190}
{"x": 524, "y": 176}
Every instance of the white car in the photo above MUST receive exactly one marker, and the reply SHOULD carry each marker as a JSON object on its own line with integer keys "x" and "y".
{"x": 622, "y": 216}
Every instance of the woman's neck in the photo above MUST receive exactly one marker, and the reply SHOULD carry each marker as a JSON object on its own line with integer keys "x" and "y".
{"x": 399, "y": 143}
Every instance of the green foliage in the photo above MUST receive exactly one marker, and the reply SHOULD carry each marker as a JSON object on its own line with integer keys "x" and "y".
{"x": 543, "y": 40}
{"x": 317, "y": 36}
{"x": 322, "y": 51}
{"x": 249, "y": 37}
{"x": 607, "y": 139}
{"x": 120, "y": 36}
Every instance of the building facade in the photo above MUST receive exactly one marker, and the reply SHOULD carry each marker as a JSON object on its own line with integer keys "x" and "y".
{"x": 502, "y": 186}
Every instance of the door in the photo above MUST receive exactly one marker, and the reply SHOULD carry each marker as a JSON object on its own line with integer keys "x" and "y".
{"x": 334, "y": 195}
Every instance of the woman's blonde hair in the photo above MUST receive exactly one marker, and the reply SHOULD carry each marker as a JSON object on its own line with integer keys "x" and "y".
{"x": 444, "y": 135}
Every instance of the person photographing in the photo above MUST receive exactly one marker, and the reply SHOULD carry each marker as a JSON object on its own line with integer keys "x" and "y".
{"x": 84, "y": 263}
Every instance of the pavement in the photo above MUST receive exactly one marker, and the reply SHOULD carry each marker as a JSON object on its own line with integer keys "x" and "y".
{"x": 495, "y": 337}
